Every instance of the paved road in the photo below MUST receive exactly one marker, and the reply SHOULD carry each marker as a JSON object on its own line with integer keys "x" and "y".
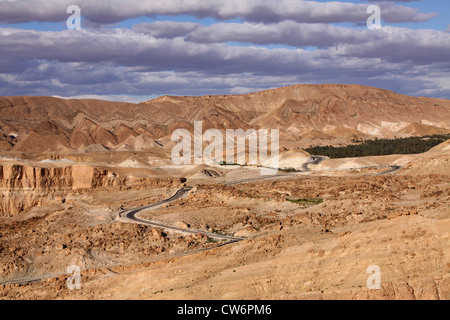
{"x": 131, "y": 215}
{"x": 312, "y": 160}
{"x": 318, "y": 159}
{"x": 26, "y": 280}
{"x": 305, "y": 168}
{"x": 391, "y": 169}
{"x": 275, "y": 176}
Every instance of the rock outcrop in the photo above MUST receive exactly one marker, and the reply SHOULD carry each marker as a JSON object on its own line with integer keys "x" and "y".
{"x": 23, "y": 187}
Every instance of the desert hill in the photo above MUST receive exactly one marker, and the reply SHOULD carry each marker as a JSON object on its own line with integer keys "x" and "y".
{"x": 69, "y": 168}
{"x": 305, "y": 114}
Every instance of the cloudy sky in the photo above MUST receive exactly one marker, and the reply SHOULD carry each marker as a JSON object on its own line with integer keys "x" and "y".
{"x": 136, "y": 50}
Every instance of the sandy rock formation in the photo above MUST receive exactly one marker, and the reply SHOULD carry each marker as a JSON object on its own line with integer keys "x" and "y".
{"x": 24, "y": 186}
{"x": 305, "y": 115}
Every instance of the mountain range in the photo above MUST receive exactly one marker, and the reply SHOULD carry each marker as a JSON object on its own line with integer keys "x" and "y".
{"x": 305, "y": 114}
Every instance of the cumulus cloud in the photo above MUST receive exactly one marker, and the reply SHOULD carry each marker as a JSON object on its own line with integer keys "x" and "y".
{"x": 135, "y": 63}
{"x": 267, "y": 11}
{"x": 204, "y": 47}
{"x": 190, "y": 58}
{"x": 402, "y": 44}
{"x": 166, "y": 29}
{"x": 287, "y": 32}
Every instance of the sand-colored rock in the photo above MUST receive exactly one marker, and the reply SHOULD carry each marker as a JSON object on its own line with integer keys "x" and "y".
{"x": 25, "y": 186}
{"x": 305, "y": 114}
{"x": 70, "y": 168}
{"x": 82, "y": 177}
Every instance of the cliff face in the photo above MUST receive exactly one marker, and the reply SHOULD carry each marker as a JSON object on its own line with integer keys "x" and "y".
{"x": 23, "y": 187}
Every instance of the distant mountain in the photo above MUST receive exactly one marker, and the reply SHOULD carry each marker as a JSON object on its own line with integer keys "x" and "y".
{"x": 305, "y": 114}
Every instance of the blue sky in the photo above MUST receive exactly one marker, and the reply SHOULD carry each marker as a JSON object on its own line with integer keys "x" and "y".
{"x": 440, "y": 22}
{"x": 137, "y": 50}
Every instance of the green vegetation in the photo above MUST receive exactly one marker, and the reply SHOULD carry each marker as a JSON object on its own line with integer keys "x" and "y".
{"x": 221, "y": 232}
{"x": 381, "y": 147}
{"x": 288, "y": 170}
{"x": 310, "y": 202}
{"x": 224, "y": 163}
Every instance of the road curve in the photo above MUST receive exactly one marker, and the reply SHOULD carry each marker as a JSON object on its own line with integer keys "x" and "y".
{"x": 318, "y": 159}
{"x": 131, "y": 215}
{"x": 391, "y": 169}
{"x": 258, "y": 179}
{"x": 312, "y": 160}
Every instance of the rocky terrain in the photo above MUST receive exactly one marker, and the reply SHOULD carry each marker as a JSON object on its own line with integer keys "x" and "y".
{"x": 28, "y": 186}
{"x": 304, "y": 250}
{"x": 69, "y": 168}
{"x": 305, "y": 114}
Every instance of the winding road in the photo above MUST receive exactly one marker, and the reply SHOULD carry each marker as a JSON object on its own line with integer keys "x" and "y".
{"x": 312, "y": 160}
{"x": 391, "y": 169}
{"x": 131, "y": 215}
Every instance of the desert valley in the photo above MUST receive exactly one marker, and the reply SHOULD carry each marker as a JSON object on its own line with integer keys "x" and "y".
{"x": 91, "y": 183}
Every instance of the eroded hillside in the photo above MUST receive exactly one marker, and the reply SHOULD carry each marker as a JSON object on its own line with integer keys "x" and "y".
{"x": 305, "y": 114}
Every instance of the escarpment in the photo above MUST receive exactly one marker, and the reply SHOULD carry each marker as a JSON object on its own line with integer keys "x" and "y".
{"x": 23, "y": 187}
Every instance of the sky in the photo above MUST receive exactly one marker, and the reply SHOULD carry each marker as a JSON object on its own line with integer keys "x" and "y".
{"x": 137, "y": 50}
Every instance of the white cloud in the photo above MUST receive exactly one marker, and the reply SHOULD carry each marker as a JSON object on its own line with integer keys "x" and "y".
{"x": 185, "y": 58}
{"x": 110, "y": 11}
